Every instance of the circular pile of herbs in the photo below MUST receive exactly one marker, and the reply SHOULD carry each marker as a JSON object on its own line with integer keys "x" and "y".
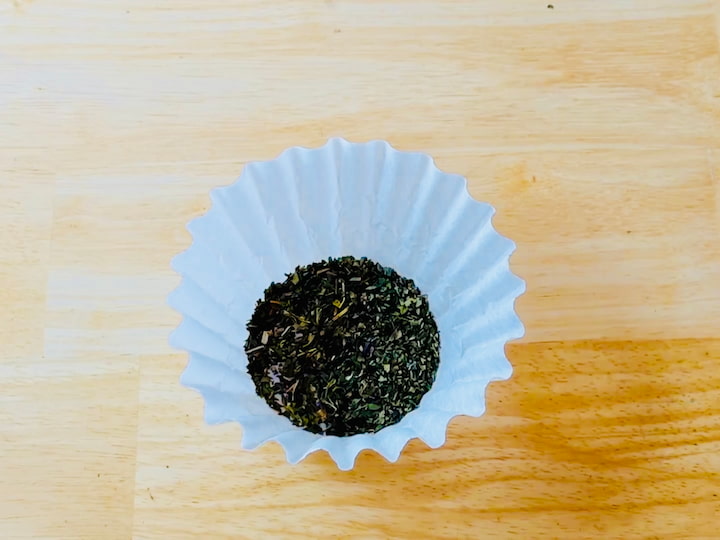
{"x": 343, "y": 346}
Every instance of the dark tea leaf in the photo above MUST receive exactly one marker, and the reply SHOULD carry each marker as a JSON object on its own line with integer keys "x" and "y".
{"x": 343, "y": 346}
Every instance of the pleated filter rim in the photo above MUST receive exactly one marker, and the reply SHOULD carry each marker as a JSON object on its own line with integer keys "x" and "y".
{"x": 359, "y": 199}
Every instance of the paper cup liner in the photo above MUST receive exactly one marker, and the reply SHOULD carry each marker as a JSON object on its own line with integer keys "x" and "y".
{"x": 365, "y": 200}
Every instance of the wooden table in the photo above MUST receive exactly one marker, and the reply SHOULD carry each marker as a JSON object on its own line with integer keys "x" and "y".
{"x": 591, "y": 126}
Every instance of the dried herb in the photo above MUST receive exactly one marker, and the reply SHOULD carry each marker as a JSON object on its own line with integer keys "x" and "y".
{"x": 343, "y": 346}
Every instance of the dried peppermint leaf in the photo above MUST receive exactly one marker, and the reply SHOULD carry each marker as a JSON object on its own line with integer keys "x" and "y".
{"x": 343, "y": 346}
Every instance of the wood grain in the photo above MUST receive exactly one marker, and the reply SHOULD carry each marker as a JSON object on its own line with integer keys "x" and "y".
{"x": 593, "y": 129}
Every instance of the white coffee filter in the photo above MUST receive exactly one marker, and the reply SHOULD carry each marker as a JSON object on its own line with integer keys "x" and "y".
{"x": 366, "y": 200}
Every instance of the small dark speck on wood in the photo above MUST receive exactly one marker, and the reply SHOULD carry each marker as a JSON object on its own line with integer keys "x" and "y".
{"x": 550, "y": 6}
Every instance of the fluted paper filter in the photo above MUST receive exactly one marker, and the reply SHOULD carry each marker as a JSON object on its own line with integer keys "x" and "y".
{"x": 365, "y": 200}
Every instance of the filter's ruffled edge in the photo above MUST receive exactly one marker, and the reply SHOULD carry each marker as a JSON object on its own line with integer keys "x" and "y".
{"x": 428, "y": 424}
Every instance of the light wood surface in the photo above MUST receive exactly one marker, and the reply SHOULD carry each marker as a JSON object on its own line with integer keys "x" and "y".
{"x": 591, "y": 126}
